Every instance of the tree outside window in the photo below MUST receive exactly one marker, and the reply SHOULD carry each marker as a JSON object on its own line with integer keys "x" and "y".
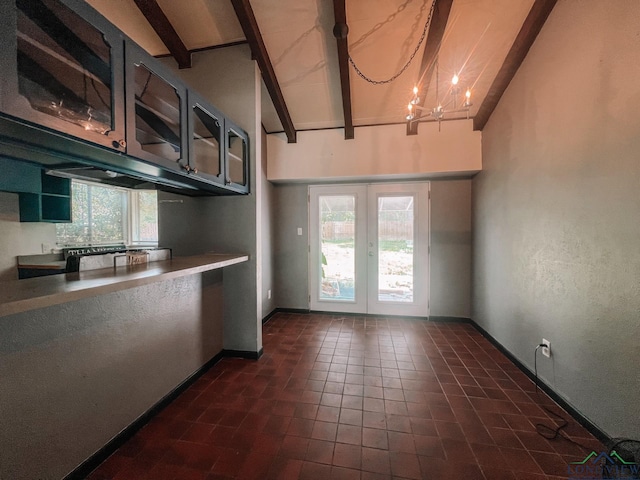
{"x": 109, "y": 215}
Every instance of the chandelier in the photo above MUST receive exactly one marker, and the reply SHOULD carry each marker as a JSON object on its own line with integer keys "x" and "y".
{"x": 453, "y": 101}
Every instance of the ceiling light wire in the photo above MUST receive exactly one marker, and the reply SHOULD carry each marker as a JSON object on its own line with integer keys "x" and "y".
{"x": 406, "y": 65}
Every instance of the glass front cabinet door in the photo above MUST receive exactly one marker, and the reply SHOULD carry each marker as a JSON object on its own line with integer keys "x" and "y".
{"x": 156, "y": 111}
{"x": 207, "y": 141}
{"x": 237, "y": 158}
{"x": 62, "y": 68}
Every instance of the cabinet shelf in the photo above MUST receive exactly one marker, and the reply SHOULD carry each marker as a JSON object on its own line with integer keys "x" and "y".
{"x": 51, "y": 204}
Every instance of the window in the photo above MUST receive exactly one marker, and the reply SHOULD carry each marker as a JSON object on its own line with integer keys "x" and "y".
{"x": 105, "y": 215}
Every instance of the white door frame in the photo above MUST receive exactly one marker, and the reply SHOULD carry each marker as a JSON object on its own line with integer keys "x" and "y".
{"x": 420, "y": 305}
{"x": 359, "y": 305}
{"x": 366, "y": 249}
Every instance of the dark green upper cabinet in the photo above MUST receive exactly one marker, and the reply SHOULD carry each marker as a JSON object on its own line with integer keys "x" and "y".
{"x": 72, "y": 84}
{"x": 62, "y": 68}
{"x": 156, "y": 111}
{"x": 237, "y": 157}
{"x": 206, "y": 154}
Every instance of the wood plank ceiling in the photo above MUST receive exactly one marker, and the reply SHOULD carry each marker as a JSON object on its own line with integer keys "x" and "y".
{"x": 305, "y": 48}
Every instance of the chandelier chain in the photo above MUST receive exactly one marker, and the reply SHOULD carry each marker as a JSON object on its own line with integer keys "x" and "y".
{"x": 406, "y": 65}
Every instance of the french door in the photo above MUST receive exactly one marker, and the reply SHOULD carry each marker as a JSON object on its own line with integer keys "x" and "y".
{"x": 369, "y": 248}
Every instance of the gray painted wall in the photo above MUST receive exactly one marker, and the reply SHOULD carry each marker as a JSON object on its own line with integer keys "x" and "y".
{"x": 18, "y": 238}
{"x": 450, "y": 238}
{"x": 229, "y": 79}
{"x": 450, "y": 272}
{"x": 557, "y": 211}
{"x": 266, "y": 221}
{"x": 182, "y": 225}
{"x": 72, "y": 376}
{"x": 291, "y": 275}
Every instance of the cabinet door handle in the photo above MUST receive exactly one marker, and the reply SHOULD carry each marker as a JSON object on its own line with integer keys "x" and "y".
{"x": 189, "y": 169}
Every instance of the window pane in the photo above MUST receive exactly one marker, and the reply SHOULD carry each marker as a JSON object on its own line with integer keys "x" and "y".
{"x": 337, "y": 227}
{"x": 99, "y": 216}
{"x": 78, "y": 232}
{"x": 147, "y": 227}
{"x": 395, "y": 249}
{"x": 108, "y": 214}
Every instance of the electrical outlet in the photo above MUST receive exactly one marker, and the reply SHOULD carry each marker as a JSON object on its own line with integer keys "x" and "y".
{"x": 269, "y": 294}
{"x": 546, "y": 350}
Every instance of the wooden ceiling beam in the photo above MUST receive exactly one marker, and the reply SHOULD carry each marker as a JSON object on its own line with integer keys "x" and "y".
{"x": 249, "y": 25}
{"x": 441, "y": 11}
{"x": 528, "y": 33}
{"x": 162, "y": 26}
{"x": 340, "y": 31}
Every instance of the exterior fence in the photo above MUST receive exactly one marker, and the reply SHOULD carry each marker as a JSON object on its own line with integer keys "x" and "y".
{"x": 388, "y": 230}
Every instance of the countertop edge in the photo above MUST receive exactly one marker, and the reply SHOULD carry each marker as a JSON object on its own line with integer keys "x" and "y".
{"x": 42, "y": 292}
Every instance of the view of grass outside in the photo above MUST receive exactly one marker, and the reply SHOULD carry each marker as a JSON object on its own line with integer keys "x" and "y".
{"x": 337, "y": 216}
{"x": 395, "y": 248}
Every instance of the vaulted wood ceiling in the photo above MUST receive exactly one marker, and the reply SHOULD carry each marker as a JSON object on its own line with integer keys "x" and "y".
{"x": 305, "y": 64}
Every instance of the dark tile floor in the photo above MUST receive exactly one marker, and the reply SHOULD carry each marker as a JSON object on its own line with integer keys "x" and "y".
{"x": 343, "y": 397}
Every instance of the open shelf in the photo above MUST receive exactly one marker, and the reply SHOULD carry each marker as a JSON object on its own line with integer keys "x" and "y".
{"x": 51, "y": 204}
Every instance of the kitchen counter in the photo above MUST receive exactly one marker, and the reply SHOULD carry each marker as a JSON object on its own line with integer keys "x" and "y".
{"x": 18, "y": 296}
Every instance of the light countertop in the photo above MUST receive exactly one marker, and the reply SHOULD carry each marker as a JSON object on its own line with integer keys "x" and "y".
{"x": 18, "y": 296}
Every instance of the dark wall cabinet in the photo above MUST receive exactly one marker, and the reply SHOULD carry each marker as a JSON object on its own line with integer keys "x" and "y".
{"x": 237, "y": 151}
{"x": 206, "y": 133}
{"x": 156, "y": 107}
{"x": 42, "y": 197}
{"x": 68, "y": 71}
{"x": 51, "y": 204}
{"x": 63, "y": 69}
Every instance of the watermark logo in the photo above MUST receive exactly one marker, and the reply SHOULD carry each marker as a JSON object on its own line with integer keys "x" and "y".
{"x": 603, "y": 465}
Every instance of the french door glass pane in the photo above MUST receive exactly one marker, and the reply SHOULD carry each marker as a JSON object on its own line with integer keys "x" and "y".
{"x": 337, "y": 239}
{"x": 395, "y": 248}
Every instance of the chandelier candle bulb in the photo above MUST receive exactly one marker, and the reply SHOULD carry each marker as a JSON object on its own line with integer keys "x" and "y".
{"x": 455, "y": 79}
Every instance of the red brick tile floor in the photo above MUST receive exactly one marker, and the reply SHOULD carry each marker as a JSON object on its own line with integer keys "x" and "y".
{"x": 346, "y": 397}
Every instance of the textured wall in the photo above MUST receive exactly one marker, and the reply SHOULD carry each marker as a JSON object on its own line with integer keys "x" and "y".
{"x": 72, "y": 376}
{"x": 324, "y": 155}
{"x": 291, "y": 275}
{"x": 450, "y": 241}
{"x": 230, "y": 80}
{"x": 557, "y": 211}
{"x": 266, "y": 223}
{"x": 450, "y": 272}
{"x": 18, "y": 238}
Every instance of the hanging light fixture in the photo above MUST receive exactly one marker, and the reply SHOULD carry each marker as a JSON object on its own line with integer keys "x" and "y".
{"x": 456, "y": 103}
